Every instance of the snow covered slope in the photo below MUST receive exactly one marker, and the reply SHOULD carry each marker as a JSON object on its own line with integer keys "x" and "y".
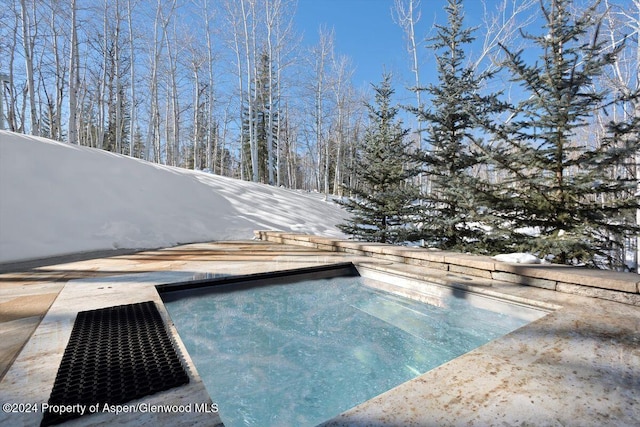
{"x": 58, "y": 199}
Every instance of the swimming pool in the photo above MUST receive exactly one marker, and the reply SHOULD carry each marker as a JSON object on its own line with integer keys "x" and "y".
{"x": 298, "y": 350}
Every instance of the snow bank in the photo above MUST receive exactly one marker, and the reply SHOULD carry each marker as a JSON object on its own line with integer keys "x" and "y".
{"x": 58, "y": 199}
{"x": 518, "y": 258}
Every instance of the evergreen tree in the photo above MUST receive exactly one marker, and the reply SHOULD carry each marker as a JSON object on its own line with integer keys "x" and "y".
{"x": 451, "y": 207}
{"x": 563, "y": 195}
{"x": 384, "y": 202}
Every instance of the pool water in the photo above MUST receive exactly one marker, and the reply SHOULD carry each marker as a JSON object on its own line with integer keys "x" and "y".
{"x": 301, "y": 353}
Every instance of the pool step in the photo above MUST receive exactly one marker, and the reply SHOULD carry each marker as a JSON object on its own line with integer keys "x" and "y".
{"x": 398, "y": 315}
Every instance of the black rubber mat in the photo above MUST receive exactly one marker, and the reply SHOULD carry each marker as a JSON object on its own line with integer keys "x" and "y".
{"x": 114, "y": 355}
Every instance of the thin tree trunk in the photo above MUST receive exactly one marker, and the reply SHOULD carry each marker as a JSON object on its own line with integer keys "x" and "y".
{"x": 73, "y": 76}
{"x": 118, "y": 101}
{"x": 173, "y": 137}
{"x": 253, "y": 146}
{"x": 210, "y": 87}
{"x": 196, "y": 110}
{"x": 132, "y": 88}
{"x": 12, "y": 119}
{"x": 55, "y": 119}
{"x": 28, "y": 44}
{"x": 153, "y": 136}
{"x": 269, "y": 19}
{"x": 103, "y": 81}
{"x": 242, "y": 94}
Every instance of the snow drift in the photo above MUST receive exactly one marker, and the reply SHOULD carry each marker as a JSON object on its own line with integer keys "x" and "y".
{"x": 58, "y": 199}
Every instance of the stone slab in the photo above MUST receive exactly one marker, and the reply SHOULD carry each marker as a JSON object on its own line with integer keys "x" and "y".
{"x": 475, "y": 261}
{"x": 589, "y": 291}
{"x": 625, "y": 282}
{"x": 425, "y": 263}
{"x": 428, "y": 255}
{"x": 524, "y": 280}
{"x": 470, "y": 271}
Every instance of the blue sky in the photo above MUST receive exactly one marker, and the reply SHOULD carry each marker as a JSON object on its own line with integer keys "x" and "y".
{"x": 366, "y": 32}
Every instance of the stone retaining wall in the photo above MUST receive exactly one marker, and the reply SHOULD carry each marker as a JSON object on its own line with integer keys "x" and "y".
{"x": 609, "y": 285}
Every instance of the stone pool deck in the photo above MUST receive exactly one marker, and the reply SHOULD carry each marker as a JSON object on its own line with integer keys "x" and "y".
{"x": 579, "y": 365}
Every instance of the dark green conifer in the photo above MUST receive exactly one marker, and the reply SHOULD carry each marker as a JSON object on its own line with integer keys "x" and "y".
{"x": 382, "y": 203}
{"x": 565, "y": 193}
{"x": 452, "y": 205}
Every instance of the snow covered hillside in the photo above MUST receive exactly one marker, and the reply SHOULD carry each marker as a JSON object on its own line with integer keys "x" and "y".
{"x": 57, "y": 199}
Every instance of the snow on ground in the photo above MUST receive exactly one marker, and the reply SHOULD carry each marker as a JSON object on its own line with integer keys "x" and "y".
{"x": 58, "y": 199}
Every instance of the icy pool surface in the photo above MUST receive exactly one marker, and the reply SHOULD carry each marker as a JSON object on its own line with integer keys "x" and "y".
{"x": 299, "y": 354}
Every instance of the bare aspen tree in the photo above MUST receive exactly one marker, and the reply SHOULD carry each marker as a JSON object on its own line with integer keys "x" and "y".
{"x": 407, "y": 15}
{"x": 4, "y": 78}
{"x": 84, "y": 134}
{"x": 55, "y": 46}
{"x": 103, "y": 79}
{"x": 248, "y": 18}
{"x": 342, "y": 73}
{"x": 241, "y": 17}
{"x": 232, "y": 21}
{"x": 73, "y": 76}
{"x": 283, "y": 58}
{"x": 196, "y": 111}
{"x": 160, "y": 25}
{"x": 502, "y": 26}
{"x": 209, "y": 135}
{"x": 173, "y": 99}
{"x": 10, "y": 25}
{"x": 623, "y": 25}
{"x": 119, "y": 103}
{"x": 17, "y": 88}
{"x": 29, "y": 32}
{"x": 152, "y": 137}
{"x": 111, "y": 79}
{"x": 236, "y": 24}
{"x": 223, "y": 138}
{"x": 196, "y": 61}
{"x": 102, "y": 83}
{"x": 87, "y": 104}
{"x": 279, "y": 22}
{"x": 271, "y": 14}
{"x": 133, "y": 124}
{"x": 320, "y": 56}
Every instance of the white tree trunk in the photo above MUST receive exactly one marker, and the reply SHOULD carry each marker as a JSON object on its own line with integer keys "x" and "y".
{"x": 210, "y": 158}
{"x": 196, "y": 113}
{"x": 102, "y": 91}
{"x": 253, "y": 146}
{"x": 153, "y": 136}
{"x": 118, "y": 101}
{"x": 271, "y": 15}
{"x": 240, "y": 74}
{"x": 73, "y": 77}
{"x": 28, "y": 44}
{"x": 8, "y": 84}
{"x": 132, "y": 88}
{"x": 325, "y": 49}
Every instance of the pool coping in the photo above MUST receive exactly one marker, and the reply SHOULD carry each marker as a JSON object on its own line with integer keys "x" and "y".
{"x": 614, "y": 286}
{"x": 579, "y": 365}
